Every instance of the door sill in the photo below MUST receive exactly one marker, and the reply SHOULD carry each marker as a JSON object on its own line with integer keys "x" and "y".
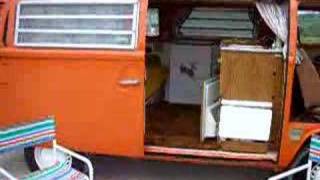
{"x": 265, "y": 165}
{"x": 269, "y": 156}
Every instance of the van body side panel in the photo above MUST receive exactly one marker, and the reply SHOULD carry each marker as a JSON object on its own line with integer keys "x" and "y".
{"x": 285, "y": 156}
{"x": 94, "y": 112}
{"x": 82, "y": 88}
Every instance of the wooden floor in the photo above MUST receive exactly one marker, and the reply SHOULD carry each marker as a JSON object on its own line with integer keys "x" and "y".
{"x": 175, "y": 126}
{"x": 178, "y": 126}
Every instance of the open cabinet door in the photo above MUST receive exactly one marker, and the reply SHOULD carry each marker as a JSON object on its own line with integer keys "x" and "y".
{"x": 95, "y": 91}
{"x": 210, "y": 109}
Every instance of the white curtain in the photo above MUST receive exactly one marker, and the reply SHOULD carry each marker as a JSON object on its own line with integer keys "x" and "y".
{"x": 276, "y": 17}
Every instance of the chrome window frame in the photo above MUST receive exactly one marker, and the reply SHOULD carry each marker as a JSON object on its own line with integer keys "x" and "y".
{"x": 133, "y": 32}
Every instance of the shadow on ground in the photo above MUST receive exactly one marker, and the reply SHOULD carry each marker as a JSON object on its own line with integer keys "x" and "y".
{"x": 122, "y": 169}
{"x": 129, "y": 169}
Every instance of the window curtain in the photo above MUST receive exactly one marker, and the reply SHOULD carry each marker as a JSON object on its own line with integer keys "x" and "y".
{"x": 276, "y": 17}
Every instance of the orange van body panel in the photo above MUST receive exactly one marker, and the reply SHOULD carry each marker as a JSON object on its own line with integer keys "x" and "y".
{"x": 81, "y": 88}
{"x": 290, "y": 148}
{"x": 84, "y": 96}
{"x": 94, "y": 112}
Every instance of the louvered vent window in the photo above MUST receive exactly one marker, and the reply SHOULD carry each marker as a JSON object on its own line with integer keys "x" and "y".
{"x": 77, "y": 23}
{"x": 218, "y": 23}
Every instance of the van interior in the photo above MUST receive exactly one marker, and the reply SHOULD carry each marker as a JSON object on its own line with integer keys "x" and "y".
{"x": 215, "y": 79}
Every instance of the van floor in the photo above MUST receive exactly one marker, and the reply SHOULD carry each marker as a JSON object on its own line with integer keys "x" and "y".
{"x": 173, "y": 125}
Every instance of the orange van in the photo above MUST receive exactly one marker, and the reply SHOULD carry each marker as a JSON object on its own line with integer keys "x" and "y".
{"x": 116, "y": 91}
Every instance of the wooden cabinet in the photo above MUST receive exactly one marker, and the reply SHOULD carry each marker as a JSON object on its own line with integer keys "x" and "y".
{"x": 253, "y": 76}
{"x": 252, "y": 73}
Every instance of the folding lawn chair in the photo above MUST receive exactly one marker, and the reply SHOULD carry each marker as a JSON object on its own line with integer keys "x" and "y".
{"x": 314, "y": 158}
{"x": 37, "y": 133}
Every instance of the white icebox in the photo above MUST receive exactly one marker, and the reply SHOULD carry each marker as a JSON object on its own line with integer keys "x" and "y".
{"x": 247, "y": 120}
{"x": 190, "y": 66}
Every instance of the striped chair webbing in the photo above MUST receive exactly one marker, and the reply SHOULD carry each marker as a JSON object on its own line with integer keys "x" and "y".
{"x": 314, "y": 154}
{"x": 27, "y": 135}
{"x": 60, "y": 171}
{"x": 73, "y": 174}
{"x": 57, "y": 170}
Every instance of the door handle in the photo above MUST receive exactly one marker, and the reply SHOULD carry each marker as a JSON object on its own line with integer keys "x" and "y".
{"x": 129, "y": 82}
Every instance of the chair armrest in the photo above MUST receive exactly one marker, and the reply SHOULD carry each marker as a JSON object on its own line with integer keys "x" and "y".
{"x": 7, "y": 174}
{"x": 77, "y": 156}
{"x": 307, "y": 167}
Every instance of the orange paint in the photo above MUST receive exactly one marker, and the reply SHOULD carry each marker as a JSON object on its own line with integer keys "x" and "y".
{"x": 94, "y": 112}
{"x": 289, "y": 148}
{"x": 293, "y": 34}
{"x": 3, "y": 14}
{"x": 81, "y": 89}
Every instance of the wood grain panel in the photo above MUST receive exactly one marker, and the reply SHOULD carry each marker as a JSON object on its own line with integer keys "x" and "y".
{"x": 255, "y": 77}
{"x": 249, "y": 76}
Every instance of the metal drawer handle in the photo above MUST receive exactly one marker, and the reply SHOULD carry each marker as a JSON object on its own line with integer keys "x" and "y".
{"x": 129, "y": 82}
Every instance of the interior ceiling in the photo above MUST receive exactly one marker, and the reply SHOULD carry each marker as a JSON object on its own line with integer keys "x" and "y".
{"x": 310, "y": 3}
{"x": 304, "y": 3}
{"x": 204, "y": 2}
{"x": 209, "y": 1}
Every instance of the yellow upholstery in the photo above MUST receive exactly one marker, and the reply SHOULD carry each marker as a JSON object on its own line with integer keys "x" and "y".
{"x": 156, "y": 76}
